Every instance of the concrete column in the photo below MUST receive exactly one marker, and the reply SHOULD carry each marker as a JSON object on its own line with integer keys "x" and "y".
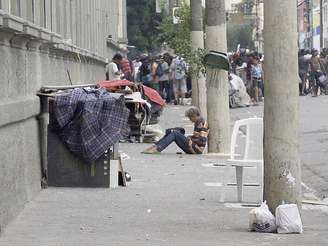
{"x": 26, "y": 10}
{"x": 218, "y": 114}
{"x": 120, "y": 20}
{"x": 125, "y": 31}
{"x": 101, "y": 20}
{"x": 104, "y": 22}
{"x": 48, "y": 14}
{"x": 282, "y": 169}
{"x": 197, "y": 37}
{"x": 93, "y": 43}
{"x": 108, "y": 31}
{"x": 68, "y": 19}
{"x": 5, "y": 5}
{"x": 82, "y": 24}
{"x": 54, "y": 16}
{"x": 41, "y": 9}
{"x": 58, "y": 17}
{"x": 78, "y": 22}
{"x": 73, "y": 21}
{"x": 37, "y": 14}
{"x": 89, "y": 34}
{"x": 62, "y": 17}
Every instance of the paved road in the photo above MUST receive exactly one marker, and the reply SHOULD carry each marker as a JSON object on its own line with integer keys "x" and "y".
{"x": 313, "y": 137}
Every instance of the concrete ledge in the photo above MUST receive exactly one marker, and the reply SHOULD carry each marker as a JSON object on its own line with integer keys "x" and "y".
{"x": 31, "y": 29}
{"x": 19, "y": 27}
{"x": 45, "y": 35}
{"x": 12, "y": 111}
{"x": 13, "y": 23}
{"x": 56, "y": 38}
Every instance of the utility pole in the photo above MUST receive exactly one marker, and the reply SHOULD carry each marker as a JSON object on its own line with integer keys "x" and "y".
{"x": 197, "y": 37}
{"x": 218, "y": 114}
{"x": 282, "y": 171}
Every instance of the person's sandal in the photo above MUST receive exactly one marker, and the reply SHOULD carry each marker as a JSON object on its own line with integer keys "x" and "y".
{"x": 151, "y": 151}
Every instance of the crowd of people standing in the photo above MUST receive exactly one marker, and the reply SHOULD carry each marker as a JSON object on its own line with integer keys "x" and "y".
{"x": 164, "y": 73}
{"x": 248, "y": 66}
{"x": 313, "y": 72}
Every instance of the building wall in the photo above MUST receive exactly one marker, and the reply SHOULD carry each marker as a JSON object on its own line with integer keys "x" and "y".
{"x": 304, "y": 19}
{"x": 316, "y": 31}
{"x": 40, "y": 41}
{"x": 325, "y": 23}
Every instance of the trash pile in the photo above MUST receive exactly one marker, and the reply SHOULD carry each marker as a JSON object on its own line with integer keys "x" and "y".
{"x": 287, "y": 221}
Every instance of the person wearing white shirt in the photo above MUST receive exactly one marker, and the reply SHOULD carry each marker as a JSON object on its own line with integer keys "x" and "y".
{"x": 112, "y": 69}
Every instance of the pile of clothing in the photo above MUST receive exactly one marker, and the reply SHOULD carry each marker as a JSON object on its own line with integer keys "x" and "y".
{"x": 238, "y": 95}
{"x": 89, "y": 121}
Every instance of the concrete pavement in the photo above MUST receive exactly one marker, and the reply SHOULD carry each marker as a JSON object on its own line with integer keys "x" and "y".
{"x": 172, "y": 200}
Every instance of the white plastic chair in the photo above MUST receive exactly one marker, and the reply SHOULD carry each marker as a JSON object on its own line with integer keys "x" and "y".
{"x": 251, "y": 156}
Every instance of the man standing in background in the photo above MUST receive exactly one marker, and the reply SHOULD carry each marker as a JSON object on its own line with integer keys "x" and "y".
{"x": 164, "y": 83}
{"x": 127, "y": 69}
{"x": 179, "y": 69}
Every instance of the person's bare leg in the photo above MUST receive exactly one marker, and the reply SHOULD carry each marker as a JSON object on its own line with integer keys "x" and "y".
{"x": 303, "y": 87}
{"x": 256, "y": 94}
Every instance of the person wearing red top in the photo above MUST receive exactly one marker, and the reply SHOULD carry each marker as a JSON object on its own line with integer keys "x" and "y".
{"x": 127, "y": 70}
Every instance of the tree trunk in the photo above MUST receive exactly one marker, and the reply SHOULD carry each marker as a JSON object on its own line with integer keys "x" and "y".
{"x": 217, "y": 80}
{"x": 282, "y": 171}
{"x": 197, "y": 36}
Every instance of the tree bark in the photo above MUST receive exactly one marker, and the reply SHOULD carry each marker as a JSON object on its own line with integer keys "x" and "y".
{"x": 217, "y": 80}
{"x": 197, "y": 37}
{"x": 282, "y": 171}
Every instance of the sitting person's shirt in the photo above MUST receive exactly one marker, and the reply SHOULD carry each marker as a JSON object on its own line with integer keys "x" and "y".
{"x": 199, "y": 138}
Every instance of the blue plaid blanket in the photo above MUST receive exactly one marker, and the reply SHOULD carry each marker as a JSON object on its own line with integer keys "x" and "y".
{"x": 89, "y": 121}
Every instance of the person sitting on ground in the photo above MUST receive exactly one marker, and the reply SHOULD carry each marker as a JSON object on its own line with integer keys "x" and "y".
{"x": 194, "y": 144}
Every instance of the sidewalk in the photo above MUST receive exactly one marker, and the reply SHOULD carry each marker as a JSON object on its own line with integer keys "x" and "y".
{"x": 172, "y": 200}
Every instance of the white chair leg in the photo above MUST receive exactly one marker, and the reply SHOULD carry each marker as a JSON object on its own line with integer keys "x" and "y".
{"x": 224, "y": 183}
{"x": 239, "y": 179}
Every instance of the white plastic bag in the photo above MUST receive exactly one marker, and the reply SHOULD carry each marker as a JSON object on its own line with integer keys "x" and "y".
{"x": 262, "y": 220}
{"x": 288, "y": 219}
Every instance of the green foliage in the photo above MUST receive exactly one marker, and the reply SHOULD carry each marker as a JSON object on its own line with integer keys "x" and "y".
{"x": 178, "y": 37}
{"x": 240, "y": 34}
{"x": 142, "y": 22}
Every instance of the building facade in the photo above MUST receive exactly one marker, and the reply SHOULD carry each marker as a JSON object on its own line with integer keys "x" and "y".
{"x": 310, "y": 28}
{"x": 304, "y": 24}
{"x": 41, "y": 41}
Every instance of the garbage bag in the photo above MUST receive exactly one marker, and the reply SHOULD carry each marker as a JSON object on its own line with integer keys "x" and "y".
{"x": 288, "y": 219}
{"x": 262, "y": 220}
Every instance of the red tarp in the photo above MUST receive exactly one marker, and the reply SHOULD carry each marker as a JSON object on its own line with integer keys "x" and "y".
{"x": 152, "y": 94}
{"x": 114, "y": 84}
